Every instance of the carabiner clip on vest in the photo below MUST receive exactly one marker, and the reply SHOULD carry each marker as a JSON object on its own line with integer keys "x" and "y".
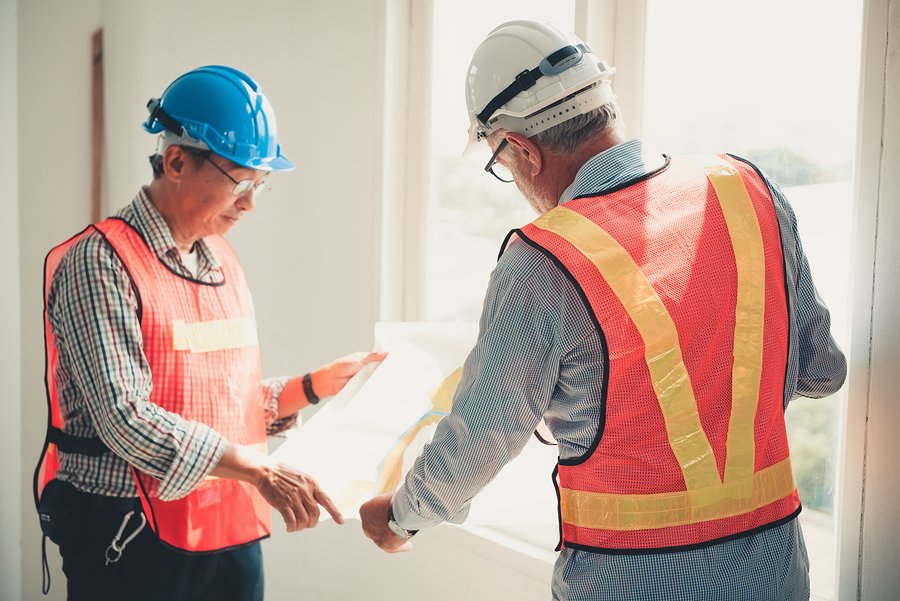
{"x": 114, "y": 545}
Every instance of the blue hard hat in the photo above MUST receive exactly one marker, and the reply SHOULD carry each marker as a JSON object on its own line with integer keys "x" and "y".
{"x": 226, "y": 110}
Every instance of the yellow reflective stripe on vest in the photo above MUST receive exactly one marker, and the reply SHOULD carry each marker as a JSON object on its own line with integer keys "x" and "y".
{"x": 661, "y": 348}
{"x": 216, "y": 335}
{"x": 644, "y": 512}
{"x": 706, "y": 497}
{"x": 750, "y": 262}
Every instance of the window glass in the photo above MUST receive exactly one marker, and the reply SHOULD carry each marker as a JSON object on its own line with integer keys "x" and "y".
{"x": 774, "y": 82}
{"x": 469, "y": 211}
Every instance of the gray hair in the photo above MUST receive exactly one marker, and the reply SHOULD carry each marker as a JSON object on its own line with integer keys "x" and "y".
{"x": 566, "y": 137}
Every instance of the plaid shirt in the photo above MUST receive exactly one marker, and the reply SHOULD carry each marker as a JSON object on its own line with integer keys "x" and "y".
{"x": 539, "y": 355}
{"x": 103, "y": 378}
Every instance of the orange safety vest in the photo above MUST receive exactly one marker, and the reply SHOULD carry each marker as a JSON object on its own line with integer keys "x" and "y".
{"x": 683, "y": 274}
{"x": 201, "y": 344}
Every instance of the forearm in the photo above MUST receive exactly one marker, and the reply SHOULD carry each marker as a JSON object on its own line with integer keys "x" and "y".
{"x": 504, "y": 392}
{"x": 326, "y": 381}
{"x": 293, "y": 398}
{"x": 241, "y": 463}
{"x": 292, "y": 493}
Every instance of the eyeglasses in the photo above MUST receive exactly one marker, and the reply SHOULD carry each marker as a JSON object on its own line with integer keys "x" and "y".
{"x": 243, "y": 186}
{"x": 499, "y": 170}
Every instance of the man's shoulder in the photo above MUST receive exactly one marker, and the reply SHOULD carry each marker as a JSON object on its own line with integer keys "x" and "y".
{"x": 86, "y": 243}
{"x": 87, "y": 252}
{"x": 530, "y": 264}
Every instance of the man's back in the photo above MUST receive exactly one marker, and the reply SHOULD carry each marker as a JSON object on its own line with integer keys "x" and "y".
{"x": 540, "y": 354}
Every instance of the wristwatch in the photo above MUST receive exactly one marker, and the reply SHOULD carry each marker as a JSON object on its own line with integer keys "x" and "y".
{"x": 397, "y": 528}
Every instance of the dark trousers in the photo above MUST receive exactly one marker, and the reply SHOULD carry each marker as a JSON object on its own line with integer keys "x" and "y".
{"x": 147, "y": 569}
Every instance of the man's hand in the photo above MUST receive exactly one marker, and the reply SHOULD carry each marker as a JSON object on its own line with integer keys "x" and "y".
{"x": 326, "y": 381}
{"x": 295, "y": 495}
{"x": 374, "y": 516}
{"x": 330, "y": 379}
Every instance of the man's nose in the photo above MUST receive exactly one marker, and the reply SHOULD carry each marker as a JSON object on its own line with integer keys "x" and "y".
{"x": 247, "y": 202}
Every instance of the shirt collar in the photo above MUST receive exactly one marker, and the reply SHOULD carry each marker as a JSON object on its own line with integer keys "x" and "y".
{"x": 612, "y": 167}
{"x": 151, "y": 224}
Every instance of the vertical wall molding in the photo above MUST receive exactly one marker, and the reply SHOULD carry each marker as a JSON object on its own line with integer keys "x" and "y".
{"x": 407, "y": 114}
{"x": 615, "y": 30}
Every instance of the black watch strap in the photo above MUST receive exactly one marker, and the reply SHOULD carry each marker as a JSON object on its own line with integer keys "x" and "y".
{"x": 308, "y": 390}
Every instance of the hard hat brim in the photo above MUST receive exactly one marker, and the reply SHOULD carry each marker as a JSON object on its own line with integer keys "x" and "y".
{"x": 274, "y": 164}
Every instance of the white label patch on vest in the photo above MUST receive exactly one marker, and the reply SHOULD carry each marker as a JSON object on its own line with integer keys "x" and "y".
{"x": 217, "y": 335}
{"x": 209, "y": 495}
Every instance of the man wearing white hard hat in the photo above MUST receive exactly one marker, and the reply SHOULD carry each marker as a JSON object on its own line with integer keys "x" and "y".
{"x": 154, "y": 480}
{"x": 654, "y": 322}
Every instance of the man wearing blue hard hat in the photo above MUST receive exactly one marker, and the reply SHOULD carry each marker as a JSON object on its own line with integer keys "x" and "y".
{"x": 154, "y": 480}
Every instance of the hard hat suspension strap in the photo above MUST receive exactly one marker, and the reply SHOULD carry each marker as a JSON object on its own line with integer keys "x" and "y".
{"x": 524, "y": 80}
{"x": 157, "y": 113}
{"x": 553, "y": 64}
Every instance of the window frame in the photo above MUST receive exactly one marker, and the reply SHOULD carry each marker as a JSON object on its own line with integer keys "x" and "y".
{"x": 855, "y": 394}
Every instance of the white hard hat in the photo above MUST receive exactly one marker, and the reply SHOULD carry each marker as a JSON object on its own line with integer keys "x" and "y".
{"x": 521, "y": 74}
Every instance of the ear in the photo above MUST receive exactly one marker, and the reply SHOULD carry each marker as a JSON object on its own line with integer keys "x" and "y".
{"x": 530, "y": 151}
{"x": 175, "y": 161}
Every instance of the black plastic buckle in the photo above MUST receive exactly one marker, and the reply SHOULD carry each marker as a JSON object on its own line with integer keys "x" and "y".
{"x": 526, "y": 80}
{"x": 157, "y": 113}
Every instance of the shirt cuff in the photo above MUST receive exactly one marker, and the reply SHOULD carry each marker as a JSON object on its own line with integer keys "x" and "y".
{"x": 273, "y": 388}
{"x": 197, "y": 455}
{"x": 406, "y": 517}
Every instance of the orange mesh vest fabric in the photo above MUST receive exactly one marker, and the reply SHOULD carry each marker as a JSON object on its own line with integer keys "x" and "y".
{"x": 49, "y": 461}
{"x": 684, "y": 274}
{"x": 200, "y": 341}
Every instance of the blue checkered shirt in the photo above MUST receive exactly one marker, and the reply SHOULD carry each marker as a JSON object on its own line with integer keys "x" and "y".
{"x": 104, "y": 381}
{"x": 539, "y": 355}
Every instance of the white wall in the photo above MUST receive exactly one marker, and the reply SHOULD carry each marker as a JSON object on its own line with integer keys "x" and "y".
{"x": 310, "y": 247}
{"x": 880, "y": 547}
{"x": 54, "y": 80}
{"x": 10, "y": 365}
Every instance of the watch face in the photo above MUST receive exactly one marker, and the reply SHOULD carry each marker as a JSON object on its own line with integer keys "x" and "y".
{"x": 396, "y": 529}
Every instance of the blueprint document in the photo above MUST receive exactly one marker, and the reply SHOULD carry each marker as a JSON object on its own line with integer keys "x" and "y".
{"x": 363, "y": 441}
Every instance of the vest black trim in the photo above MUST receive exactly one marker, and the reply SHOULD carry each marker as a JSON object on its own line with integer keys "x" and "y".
{"x": 179, "y": 550}
{"x": 605, "y": 349}
{"x": 47, "y": 375}
{"x": 630, "y": 182}
{"x": 173, "y": 272}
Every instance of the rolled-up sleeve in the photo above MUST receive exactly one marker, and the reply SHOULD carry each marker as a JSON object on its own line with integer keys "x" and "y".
{"x": 272, "y": 389}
